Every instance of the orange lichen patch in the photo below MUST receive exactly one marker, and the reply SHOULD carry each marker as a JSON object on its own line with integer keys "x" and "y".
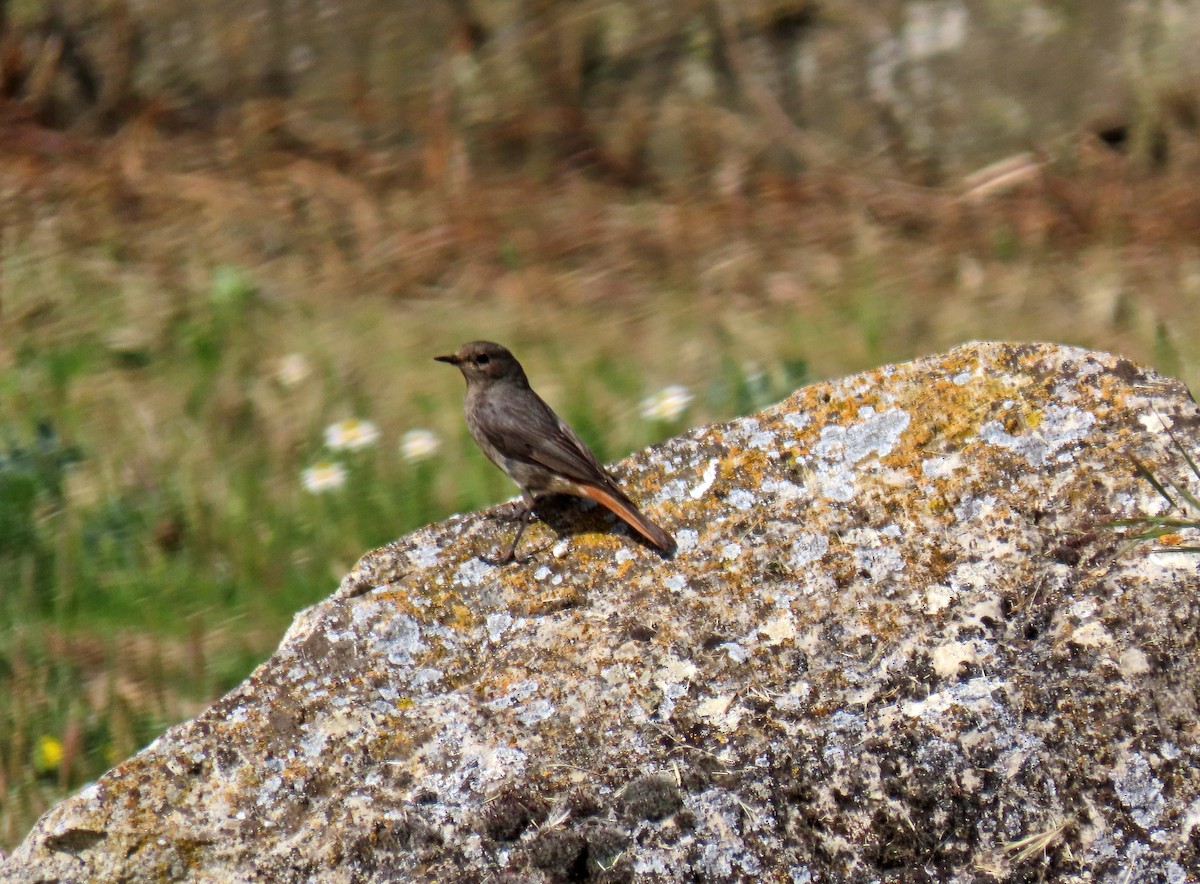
{"x": 948, "y": 412}
{"x": 460, "y": 617}
{"x": 399, "y": 596}
{"x": 428, "y": 603}
{"x": 397, "y": 742}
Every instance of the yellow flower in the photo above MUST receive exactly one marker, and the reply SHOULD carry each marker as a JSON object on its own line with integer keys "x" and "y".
{"x": 47, "y": 754}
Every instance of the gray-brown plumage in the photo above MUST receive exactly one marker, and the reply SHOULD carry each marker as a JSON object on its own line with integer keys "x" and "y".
{"x": 522, "y": 435}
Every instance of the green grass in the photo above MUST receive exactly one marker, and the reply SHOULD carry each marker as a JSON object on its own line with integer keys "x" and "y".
{"x": 1182, "y": 517}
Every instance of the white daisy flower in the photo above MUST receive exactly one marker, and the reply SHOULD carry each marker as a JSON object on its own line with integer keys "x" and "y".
{"x": 324, "y": 476}
{"x": 292, "y": 370}
{"x": 351, "y": 434}
{"x": 667, "y": 404}
{"x": 419, "y": 445}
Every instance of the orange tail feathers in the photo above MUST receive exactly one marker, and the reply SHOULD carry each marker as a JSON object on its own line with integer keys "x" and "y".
{"x": 625, "y": 509}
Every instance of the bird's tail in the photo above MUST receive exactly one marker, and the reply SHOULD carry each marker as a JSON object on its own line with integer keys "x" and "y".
{"x": 622, "y": 506}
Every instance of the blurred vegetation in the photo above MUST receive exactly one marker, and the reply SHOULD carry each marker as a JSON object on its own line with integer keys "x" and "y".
{"x": 202, "y": 269}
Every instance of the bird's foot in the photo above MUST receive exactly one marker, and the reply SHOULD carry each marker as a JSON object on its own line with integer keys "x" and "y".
{"x": 500, "y": 561}
{"x": 514, "y": 512}
{"x": 510, "y": 557}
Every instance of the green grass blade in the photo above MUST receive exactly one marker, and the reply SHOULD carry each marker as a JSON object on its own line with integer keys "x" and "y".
{"x": 1182, "y": 450}
{"x": 1142, "y": 470}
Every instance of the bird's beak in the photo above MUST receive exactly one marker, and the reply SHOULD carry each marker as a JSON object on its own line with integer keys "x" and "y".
{"x": 452, "y": 359}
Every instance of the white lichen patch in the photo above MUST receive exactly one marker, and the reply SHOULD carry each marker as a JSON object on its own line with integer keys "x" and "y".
{"x": 741, "y": 499}
{"x": 1133, "y": 662}
{"x": 736, "y": 652}
{"x": 974, "y": 694}
{"x": 942, "y": 466}
{"x": 518, "y": 692}
{"x": 676, "y": 583}
{"x": 472, "y": 572}
{"x": 1091, "y": 635}
{"x": 840, "y": 448}
{"x": 795, "y": 698}
{"x": 424, "y": 554}
{"x": 1190, "y": 821}
{"x": 672, "y": 680}
{"x": 497, "y": 624}
{"x": 1151, "y": 421}
{"x": 675, "y": 669}
{"x": 717, "y": 710}
{"x": 983, "y": 614}
{"x": 835, "y": 482}
{"x": 724, "y": 854}
{"x": 313, "y": 743}
{"x": 767, "y": 441}
{"x": 676, "y": 490}
{"x": 975, "y": 509}
{"x": 398, "y": 638}
{"x": 948, "y": 658}
{"x": 785, "y": 491}
{"x": 971, "y": 576}
{"x": 874, "y": 434}
{"x": 671, "y": 692}
{"x": 779, "y": 629}
{"x": 707, "y": 478}
{"x": 1139, "y": 790}
{"x": 534, "y": 711}
{"x": 878, "y": 561}
{"x": 1082, "y": 609}
{"x": 268, "y": 790}
{"x": 797, "y": 420}
{"x": 425, "y": 678}
{"x": 1060, "y": 427}
{"x": 1164, "y": 564}
{"x": 807, "y": 548}
{"x": 937, "y": 598}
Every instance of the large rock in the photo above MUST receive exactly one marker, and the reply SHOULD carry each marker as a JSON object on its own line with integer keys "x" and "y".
{"x": 896, "y": 644}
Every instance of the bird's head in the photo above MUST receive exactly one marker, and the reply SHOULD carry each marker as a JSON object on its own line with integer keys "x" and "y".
{"x": 485, "y": 361}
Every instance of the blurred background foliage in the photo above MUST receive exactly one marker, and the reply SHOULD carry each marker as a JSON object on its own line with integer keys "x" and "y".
{"x": 232, "y": 236}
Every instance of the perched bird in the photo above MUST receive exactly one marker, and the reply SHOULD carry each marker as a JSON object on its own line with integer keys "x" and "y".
{"x": 522, "y": 435}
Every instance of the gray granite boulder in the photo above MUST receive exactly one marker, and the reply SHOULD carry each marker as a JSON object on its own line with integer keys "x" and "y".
{"x": 896, "y": 644}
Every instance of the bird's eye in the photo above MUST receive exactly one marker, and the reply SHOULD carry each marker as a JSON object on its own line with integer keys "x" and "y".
{"x": 482, "y": 359}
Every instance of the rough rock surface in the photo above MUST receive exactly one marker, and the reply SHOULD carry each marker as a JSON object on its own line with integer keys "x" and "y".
{"x": 895, "y": 645}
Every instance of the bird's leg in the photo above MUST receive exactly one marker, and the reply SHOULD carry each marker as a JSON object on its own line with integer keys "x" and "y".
{"x": 525, "y": 516}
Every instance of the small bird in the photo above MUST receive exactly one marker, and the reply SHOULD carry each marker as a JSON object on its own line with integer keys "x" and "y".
{"x": 522, "y": 435}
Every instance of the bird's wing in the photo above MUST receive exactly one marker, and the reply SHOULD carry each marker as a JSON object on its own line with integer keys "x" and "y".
{"x": 536, "y": 435}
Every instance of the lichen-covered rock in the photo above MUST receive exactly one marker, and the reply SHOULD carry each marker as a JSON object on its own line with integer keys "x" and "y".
{"x": 896, "y": 644}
